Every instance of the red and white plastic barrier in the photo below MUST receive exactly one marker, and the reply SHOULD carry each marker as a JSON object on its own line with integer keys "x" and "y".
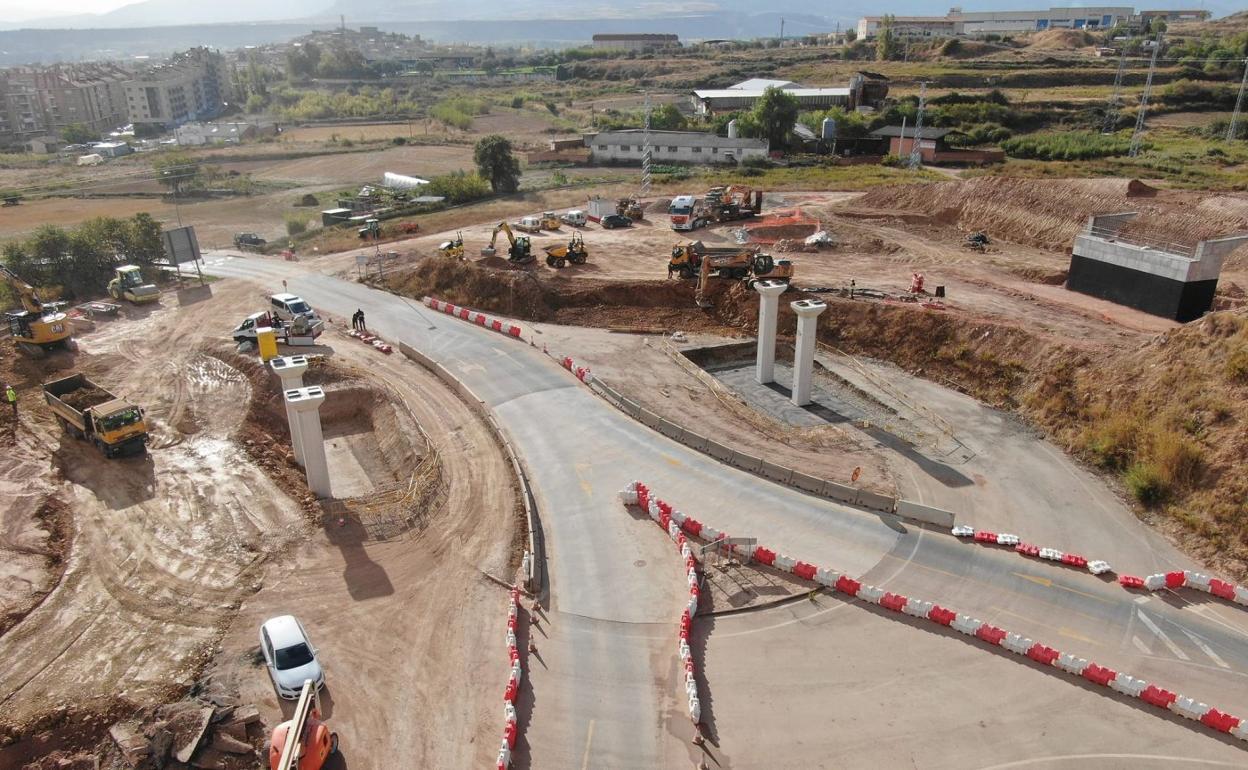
{"x": 582, "y": 372}
{"x": 473, "y": 316}
{"x": 676, "y": 524}
{"x": 638, "y": 494}
{"x": 1164, "y": 580}
{"x": 371, "y": 339}
{"x": 514, "y": 675}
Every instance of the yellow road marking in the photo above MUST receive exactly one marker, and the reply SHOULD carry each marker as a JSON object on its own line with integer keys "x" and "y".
{"x": 1061, "y": 630}
{"x": 672, "y": 460}
{"x": 586, "y": 487}
{"x": 1047, "y": 583}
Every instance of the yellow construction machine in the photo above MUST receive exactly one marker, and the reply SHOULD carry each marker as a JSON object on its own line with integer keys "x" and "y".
{"x": 453, "y": 249}
{"x": 36, "y": 328}
{"x": 128, "y": 284}
{"x": 745, "y": 262}
{"x": 631, "y": 208}
{"x": 575, "y": 252}
{"x": 550, "y": 221}
{"x": 519, "y": 253}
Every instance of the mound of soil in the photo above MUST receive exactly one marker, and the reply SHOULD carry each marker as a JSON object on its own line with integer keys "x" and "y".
{"x": 1060, "y": 40}
{"x": 659, "y": 206}
{"x": 773, "y": 233}
{"x": 86, "y": 397}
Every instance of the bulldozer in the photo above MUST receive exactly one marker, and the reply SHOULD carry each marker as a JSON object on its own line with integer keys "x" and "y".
{"x": 550, "y": 221}
{"x": 743, "y": 262}
{"x": 453, "y": 249}
{"x": 520, "y": 251}
{"x": 631, "y": 208}
{"x": 36, "y": 328}
{"x": 575, "y": 252}
{"x": 128, "y": 284}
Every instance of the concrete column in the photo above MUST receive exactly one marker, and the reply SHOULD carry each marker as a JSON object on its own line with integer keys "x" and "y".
{"x": 768, "y": 312}
{"x": 808, "y": 311}
{"x": 290, "y": 369}
{"x": 306, "y": 403}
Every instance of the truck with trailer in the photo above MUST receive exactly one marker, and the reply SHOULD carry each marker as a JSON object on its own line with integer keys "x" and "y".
{"x": 89, "y": 412}
{"x": 689, "y": 212}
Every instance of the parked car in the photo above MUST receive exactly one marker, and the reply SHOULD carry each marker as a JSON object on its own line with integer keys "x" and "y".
{"x": 612, "y": 221}
{"x": 289, "y": 656}
{"x": 249, "y": 241}
{"x": 288, "y": 307}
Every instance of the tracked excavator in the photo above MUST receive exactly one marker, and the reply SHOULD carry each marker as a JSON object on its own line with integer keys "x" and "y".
{"x": 575, "y": 252}
{"x": 304, "y": 742}
{"x": 36, "y": 328}
{"x": 630, "y": 207}
{"x": 521, "y": 250}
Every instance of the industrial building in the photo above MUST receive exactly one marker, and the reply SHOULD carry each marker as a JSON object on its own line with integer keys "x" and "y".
{"x": 743, "y": 95}
{"x": 191, "y": 86}
{"x": 627, "y": 146}
{"x": 1171, "y": 280}
{"x": 973, "y": 23}
{"x": 636, "y": 42}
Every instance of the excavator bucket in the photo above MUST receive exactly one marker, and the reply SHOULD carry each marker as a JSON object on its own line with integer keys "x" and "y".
{"x": 489, "y": 251}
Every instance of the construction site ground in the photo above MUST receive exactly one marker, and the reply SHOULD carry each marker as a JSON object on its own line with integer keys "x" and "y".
{"x": 126, "y": 580}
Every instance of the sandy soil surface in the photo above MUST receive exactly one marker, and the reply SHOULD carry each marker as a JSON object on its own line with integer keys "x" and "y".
{"x": 361, "y": 167}
{"x": 166, "y": 547}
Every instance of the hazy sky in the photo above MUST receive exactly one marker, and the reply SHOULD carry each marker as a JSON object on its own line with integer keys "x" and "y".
{"x": 16, "y": 10}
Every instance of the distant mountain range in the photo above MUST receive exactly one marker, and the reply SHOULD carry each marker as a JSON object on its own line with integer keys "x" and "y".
{"x": 160, "y": 13}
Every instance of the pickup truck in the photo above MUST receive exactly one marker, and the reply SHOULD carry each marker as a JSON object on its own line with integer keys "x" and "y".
{"x": 299, "y": 331}
{"x": 87, "y": 411}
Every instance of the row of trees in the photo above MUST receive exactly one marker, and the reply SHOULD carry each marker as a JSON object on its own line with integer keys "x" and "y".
{"x": 78, "y": 262}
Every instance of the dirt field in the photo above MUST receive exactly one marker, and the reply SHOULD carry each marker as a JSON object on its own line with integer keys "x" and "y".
{"x": 166, "y": 548}
{"x": 361, "y": 167}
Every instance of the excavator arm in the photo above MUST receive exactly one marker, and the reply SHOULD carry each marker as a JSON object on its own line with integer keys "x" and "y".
{"x": 26, "y": 292}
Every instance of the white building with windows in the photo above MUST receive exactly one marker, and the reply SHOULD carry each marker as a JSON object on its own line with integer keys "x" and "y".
{"x": 627, "y": 146}
{"x": 972, "y": 23}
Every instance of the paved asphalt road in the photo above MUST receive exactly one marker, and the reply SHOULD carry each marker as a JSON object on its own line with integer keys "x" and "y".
{"x": 615, "y": 586}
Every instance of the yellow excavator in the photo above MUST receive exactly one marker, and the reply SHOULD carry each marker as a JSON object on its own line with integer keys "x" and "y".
{"x": 630, "y": 207}
{"x": 575, "y": 252}
{"x": 453, "y": 249}
{"x": 521, "y": 251}
{"x": 36, "y": 328}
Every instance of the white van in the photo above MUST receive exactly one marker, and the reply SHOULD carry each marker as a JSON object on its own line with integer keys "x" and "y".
{"x": 288, "y": 307}
{"x": 529, "y": 224}
{"x": 575, "y": 217}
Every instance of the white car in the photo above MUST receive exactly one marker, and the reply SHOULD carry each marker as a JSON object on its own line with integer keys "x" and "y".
{"x": 289, "y": 655}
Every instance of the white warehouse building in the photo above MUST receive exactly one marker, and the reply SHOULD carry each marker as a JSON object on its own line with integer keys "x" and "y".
{"x": 959, "y": 22}
{"x": 743, "y": 95}
{"x": 627, "y": 146}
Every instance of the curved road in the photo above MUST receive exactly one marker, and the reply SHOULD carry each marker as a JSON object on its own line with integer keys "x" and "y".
{"x": 608, "y": 652}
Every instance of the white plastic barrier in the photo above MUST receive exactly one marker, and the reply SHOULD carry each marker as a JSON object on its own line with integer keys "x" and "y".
{"x": 1070, "y": 663}
{"x": 1128, "y": 685}
{"x": 1017, "y": 644}
{"x": 965, "y": 624}
{"x": 1189, "y": 707}
{"x": 917, "y": 608}
{"x": 1155, "y": 582}
{"x": 870, "y": 594}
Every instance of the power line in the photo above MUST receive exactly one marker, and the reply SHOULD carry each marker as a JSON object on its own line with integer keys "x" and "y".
{"x": 1233, "y": 129}
{"x": 1148, "y": 89}
{"x": 1111, "y": 109}
{"x": 916, "y": 144}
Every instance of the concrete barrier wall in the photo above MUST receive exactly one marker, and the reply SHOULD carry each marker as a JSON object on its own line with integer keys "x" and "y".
{"x": 807, "y": 483}
{"x": 649, "y": 419}
{"x": 671, "y": 429}
{"x": 925, "y": 513}
{"x": 839, "y": 492}
{"x": 777, "y": 473}
{"x": 876, "y": 502}
{"x": 536, "y": 546}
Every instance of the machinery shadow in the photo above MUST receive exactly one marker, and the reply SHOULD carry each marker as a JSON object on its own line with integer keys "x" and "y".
{"x": 365, "y": 578}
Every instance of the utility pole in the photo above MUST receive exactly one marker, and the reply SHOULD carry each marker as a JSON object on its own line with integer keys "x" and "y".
{"x": 1233, "y": 129}
{"x": 646, "y": 152}
{"x": 1111, "y": 109}
{"x": 782, "y": 31}
{"x": 1148, "y": 90}
{"x": 916, "y": 146}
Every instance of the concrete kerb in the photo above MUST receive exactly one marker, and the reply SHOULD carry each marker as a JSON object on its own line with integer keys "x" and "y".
{"x": 925, "y": 513}
{"x": 671, "y": 429}
{"x": 777, "y": 473}
{"x": 536, "y": 551}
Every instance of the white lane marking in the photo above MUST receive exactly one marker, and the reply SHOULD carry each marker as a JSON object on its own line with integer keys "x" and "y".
{"x": 589, "y": 739}
{"x": 1064, "y": 760}
{"x": 1206, "y": 649}
{"x": 1142, "y": 599}
{"x": 1174, "y": 648}
{"x": 1140, "y": 645}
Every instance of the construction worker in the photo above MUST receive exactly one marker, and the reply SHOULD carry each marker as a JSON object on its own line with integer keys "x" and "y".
{"x": 355, "y": 319}
{"x": 10, "y": 395}
{"x": 363, "y": 326}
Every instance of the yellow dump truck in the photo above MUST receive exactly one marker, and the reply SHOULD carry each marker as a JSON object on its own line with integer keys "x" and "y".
{"x": 89, "y": 412}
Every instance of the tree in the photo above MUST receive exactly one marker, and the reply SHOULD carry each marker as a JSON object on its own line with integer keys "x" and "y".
{"x": 667, "y": 118}
{"x": 775, "y": 113}
{"x": 177, "y": 171}
{"x": 851, "y": 35}
{"x": 886, "y": 44}
{"x": 496, "y": 164}
{"x": 78, "y": 133}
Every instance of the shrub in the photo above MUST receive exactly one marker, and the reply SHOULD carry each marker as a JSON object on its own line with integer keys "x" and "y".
{"x": 1237, "y": 365}
{"x": 1112, "y": 441}
{"x": 296, "y": 225}
{"x": 892, "y": 161}
{"x": 1177, "y": 460}
{"x": 1145, "y": 483}
{"x": 517, "y": 102}
{"x": 756, "y": 162}
{"x": 459, "y": 187}
{"x": 399, "y": 140}
{"x": 1066, "y": 145}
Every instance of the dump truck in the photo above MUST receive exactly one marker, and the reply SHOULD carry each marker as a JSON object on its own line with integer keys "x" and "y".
{"x": 88, "y": 412}
{"x": 744, "y": 262}
{"x": 574, "y": 252}
{"x": 128, "y": 284}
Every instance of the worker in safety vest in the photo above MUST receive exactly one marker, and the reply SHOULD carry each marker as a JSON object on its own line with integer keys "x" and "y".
{"x": 10, "y": 395}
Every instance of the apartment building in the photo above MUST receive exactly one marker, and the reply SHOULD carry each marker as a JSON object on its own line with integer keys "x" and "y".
{"x": 192, "y": 85}
{"x": 39, "y": 102}
{"x": 21, "y": 117}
